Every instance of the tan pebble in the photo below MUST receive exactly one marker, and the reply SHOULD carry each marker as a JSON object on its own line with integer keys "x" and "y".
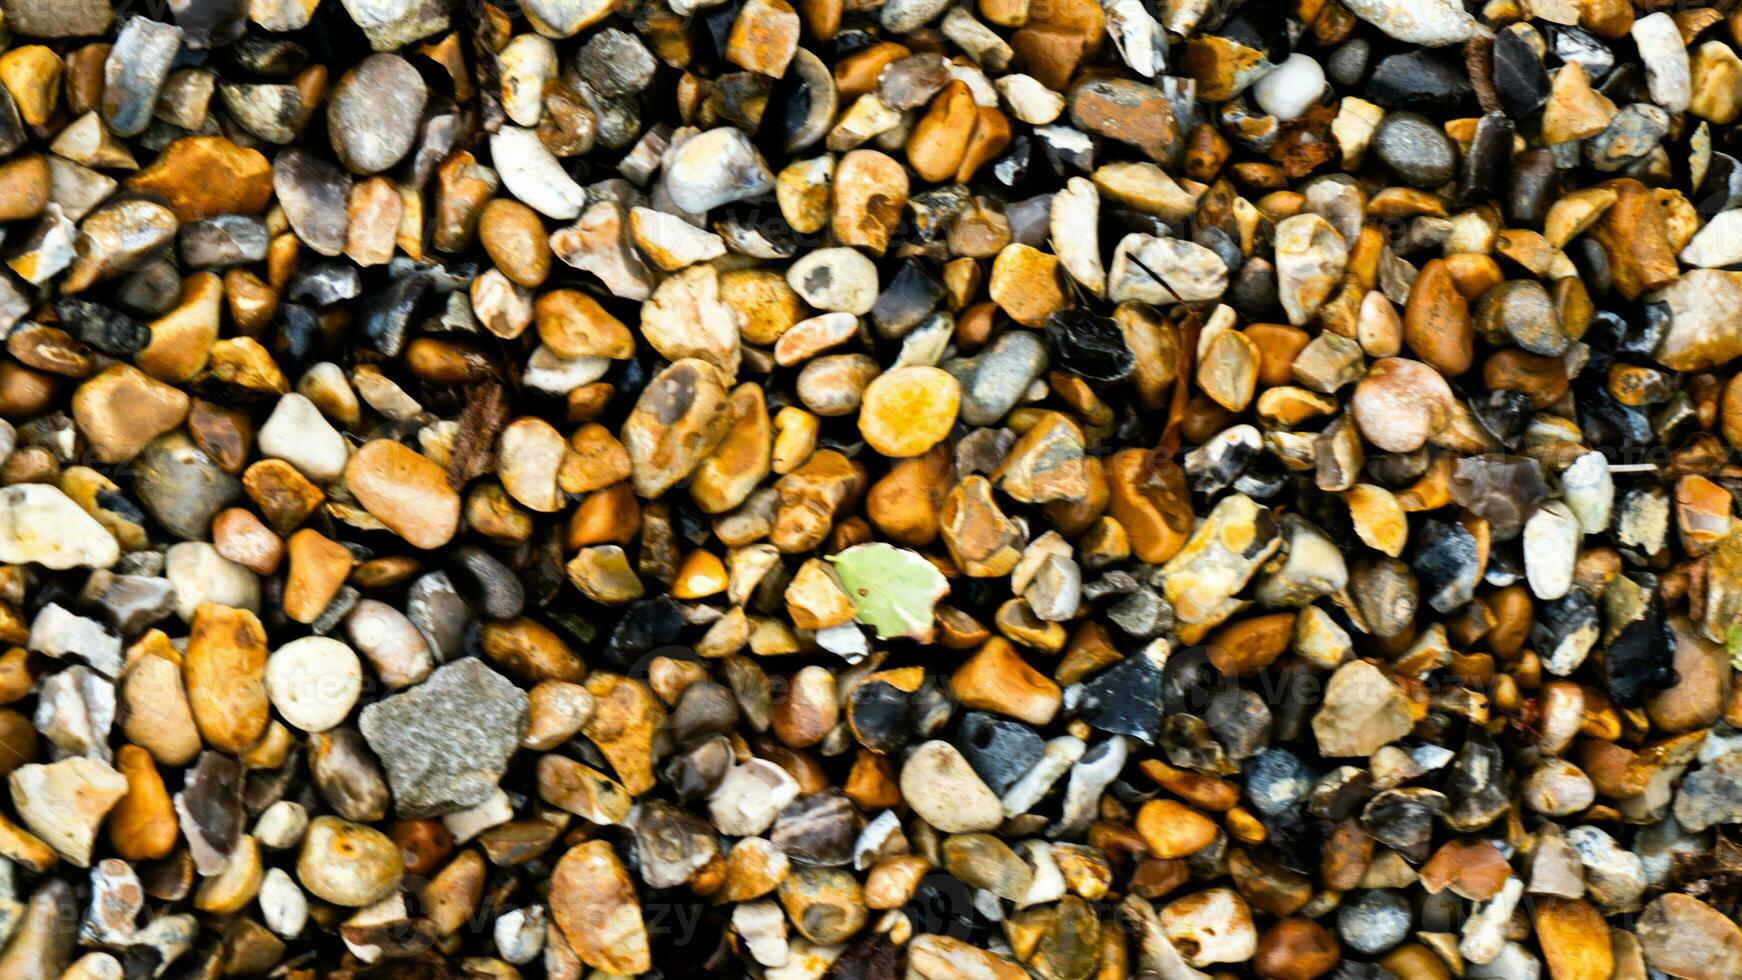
{"x": 405, "y": 491}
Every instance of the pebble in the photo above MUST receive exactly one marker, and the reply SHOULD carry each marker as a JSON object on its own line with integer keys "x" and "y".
{"x": 1416, "y": 150}
{"x": 299, "y": 434}
{"x": 405, "y": 491}
{"x": 224, "y": 670}
{"x": 837, "y": 279}
{"x": 533, "y": 175}
{"x": 347, "y": 864}
{"x": 1666, "y": 61}
{"x": 593, "y": 902}
{"x": 1292, "y": 87}
{"x": 64, "y": 803}
{"x": 1362, "y": 711}
{"x": 1434, "y": 23}
{"x": 943, "y": 789}
{"x": 1683, "y": 936}
{"x": 135, "y": 71}
{"x": 314, "y": 682}
{"x": 445, "y": 742}
{"x": 715, "y": 167}
{"x": 77, "y": 540}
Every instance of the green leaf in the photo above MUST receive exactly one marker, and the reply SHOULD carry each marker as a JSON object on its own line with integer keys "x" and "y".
{"x": 894, "y": 589}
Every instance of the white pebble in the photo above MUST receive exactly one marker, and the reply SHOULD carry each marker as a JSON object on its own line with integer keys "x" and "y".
{"x": 1291, "y": 88}
{"x": 282, "y": 825}
{"x": 300, "y": 435}
{"x": 201, "y": 575}
{"x": 282, "y": 904}
{"x": 1551, "y": 549}
{"x": 314, "y": 682}
{"x": 1667, "y": 74}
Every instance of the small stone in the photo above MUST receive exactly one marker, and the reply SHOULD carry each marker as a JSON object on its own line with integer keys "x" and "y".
{"x": 1362, "y": 711}
{"x": 404, "y": 490}
{"x": 679, "y": 419}
{"x": 316, "y": 198}
{"x": 40, "y": 524}
{"x": 908, "y": 410}
{"x": 348, "y": 864}
{"x": 1434, "y": 24}
{"x": 64, "y": 803}
{"x": 1310, "y": 256}
{"x": 840, "y": 279}
{"x": 1417, "y": 151}
{"x": 373, "y": 112}
{"x": 1551, "y": 548}
{"x": 593, "y": 902}
{"x": 1215, "y": 925}
{"x": 314, "y": 682}
{"x": 1574, "y": 110}
{"x": 1400, "y": 403}
{"x": 224, "y": 670}
{"x": 714, "y": 168}
{"x": 1684, "y": 937}
{"x": 533, "y": 175}
{"x": 1128, "y": 111}
{"x": 1164, "y": 271}
{"x": 943, "y": 789}
{"x": 764, "y": 37}
{"x": 445, "y": 742}
{"x": 298, "y": 433}
{"x": 135, "y": 71}
{"x": 1292, "y": 87}
{"x": 1666, "y": 61}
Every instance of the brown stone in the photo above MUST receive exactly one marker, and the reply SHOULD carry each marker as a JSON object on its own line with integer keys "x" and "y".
{"x": 1295, "y": 948}
{"x": 404, "y": 490}
{"x": 573, "y": 324}
{"x": 1436, "y": 321}
{"x": 515, "y": 239}
{"x": 240, "y": 536}
{"x": 24, "y": 187}
{"x": 1243, "y": 648}
{"x": 868, "y": 195}
{"x": 764, "y": 37}
{"x": 225, "y": 673}
{"x": 907, "y": 410}
{"x": 727, "y": 475}
{"x": 940, "y": 138}
{"x": 626, "y": 716}
{"x": 1634, "y": 235}
{"x": 143, "y": 825}
{"x": 530, "y": 651}
{"x": 122, "y": 409}
{"x": 1574, "y": 938}
{"x": 181, "y": 340}
{"x": 998, "y": 680}
{"x": 202, "y": 176}
{"x": 1147, "y": 495}
{"x": 318, "y": 567}
{"x": 982, "y": 540}
{"x": 1173, "y": 830}
{"x": 1027, "y": 285}
{"x": 1574, "y": 109}
{"x": 285, "y": 497}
